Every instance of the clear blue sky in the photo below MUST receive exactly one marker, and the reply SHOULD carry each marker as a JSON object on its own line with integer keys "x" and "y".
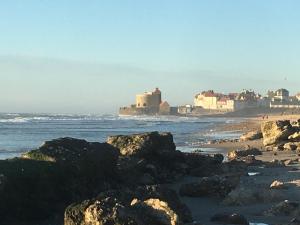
{"x": 93, "y": 56}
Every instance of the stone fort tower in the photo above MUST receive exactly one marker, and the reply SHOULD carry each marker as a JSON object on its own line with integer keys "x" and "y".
{"x": 150, "y": 100}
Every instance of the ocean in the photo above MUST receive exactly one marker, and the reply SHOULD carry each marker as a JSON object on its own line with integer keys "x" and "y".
{"x": 22, "y": 132}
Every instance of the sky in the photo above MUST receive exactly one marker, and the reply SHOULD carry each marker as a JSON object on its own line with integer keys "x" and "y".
{"x": 78, "y": 56}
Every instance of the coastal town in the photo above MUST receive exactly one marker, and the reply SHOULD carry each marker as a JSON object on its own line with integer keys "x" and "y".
{"x": 210, "y": 102}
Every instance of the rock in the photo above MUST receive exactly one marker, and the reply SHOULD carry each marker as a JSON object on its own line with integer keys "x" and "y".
{"x": 143, "y": 144}
{"x": 290, "y": 146}
{"x": 230, "y": 219}
{"x": 252, "y": 135}
{"x": 71, "y": 150}
{"x": 235, "y": 154}
{"x": 110, "y": 211}
{"x": 150, "y": 169}
{"x": 167, "y": 195}
{"x": 207, "y": 186}
{"x": 154, "y": 211}
{"x": 34, "y": 189}
{"x": 251, "y": 194}
{"x": 125, "y": 207}
{"x": 202, "y": 165}
{"x": 284, "y": 208}
{"x": 276, "y": 131}
{"x": 48, "y": 179}
{"x": 295, "y": 136}
{"x": 277, "y": 185}
{"x": 296, "y": 123}
{"x": 105, "y": 211}
{"x": 152, "y": 166}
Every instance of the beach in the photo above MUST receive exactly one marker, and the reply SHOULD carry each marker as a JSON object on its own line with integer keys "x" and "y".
{"x": 146, "y": 170}
{"x": 260, "y": 177}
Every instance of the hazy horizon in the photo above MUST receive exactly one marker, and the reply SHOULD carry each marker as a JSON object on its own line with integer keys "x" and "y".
{"x": 93, "y": 57}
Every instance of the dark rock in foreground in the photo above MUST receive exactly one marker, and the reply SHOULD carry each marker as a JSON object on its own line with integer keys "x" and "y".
{"x": 143, "y": 144}
{"x": 151, "y": 158}
{"x": 149, "y": 205}
{"x": 209, "y": 186}
{"x": 41, "y": 184}
{"x": 72, "y": 151}
{"x": 46, "y": 180}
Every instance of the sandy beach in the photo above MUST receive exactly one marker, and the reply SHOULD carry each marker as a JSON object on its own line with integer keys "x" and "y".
{"x": 256, "y": 212}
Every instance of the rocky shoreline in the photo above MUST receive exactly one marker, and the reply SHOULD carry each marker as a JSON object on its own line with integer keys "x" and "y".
{"x": 143, "y": 180}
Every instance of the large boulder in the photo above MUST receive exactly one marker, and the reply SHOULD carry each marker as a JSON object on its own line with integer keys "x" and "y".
{"x": 151, "y": 158}
{"x": 109, "y": 210}
{"x": 200, "y": 165}
{"x": 275, "y": 132}
{"x": 252, "y": 135}
{"x": 146, "y": 206}
{"x": 105, "y": 211}
{"x": 154, "y": 211}
{"x": 251, "y": 194}
{"x": 71, "y": 150}
{"x": 47, "y": 179}
{"x": 90, "y": 162}
{"x": 167, "y": 195}
{"x": 143, "y": 144}
{"x": 33, "y": 190}
{"x": 208, "y": 186}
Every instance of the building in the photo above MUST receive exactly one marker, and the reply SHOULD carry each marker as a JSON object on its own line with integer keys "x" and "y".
{"x": 214, "y": 101}
{"x": 149, "y": 99}
{"x": 184, "y": 109}
{"x": 281, "y": 95}
{"x": 148, "y": 103}
{"x": 282, "y": 99}
{"x": 210, "y": 100}
{"x": 207, "y": 99}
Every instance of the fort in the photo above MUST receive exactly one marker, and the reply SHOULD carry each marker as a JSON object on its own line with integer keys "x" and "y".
{"x": 210, "y": 102}
{"x": 149, "y": 103}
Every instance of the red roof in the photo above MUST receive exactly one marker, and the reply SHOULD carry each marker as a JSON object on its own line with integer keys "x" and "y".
{"x": 209, "y": 94}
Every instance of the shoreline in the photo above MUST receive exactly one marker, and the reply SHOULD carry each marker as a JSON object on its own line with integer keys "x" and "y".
{"x": 198, "y": 186}
{"x": 253, "y": 211}
{"x": 245, "y": 126}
